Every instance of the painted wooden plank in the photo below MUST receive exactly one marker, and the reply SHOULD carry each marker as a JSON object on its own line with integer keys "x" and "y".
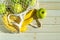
{"x": 53, "y": 13}
{"x": 48, "y": 20}
{"x": 21, "y": 36}
{"x": 45, "y": 29}
{"x": 49, "y": 0}
{"x": 50, "y": 5}
{"x": 48, "y": 36}
{"x": 57, "y": 20}
{"x": 51, "y": 20}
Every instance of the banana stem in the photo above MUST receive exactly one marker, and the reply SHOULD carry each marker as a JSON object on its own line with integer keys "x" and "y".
{"x": 37, "y": 21}
{"x": 38, "y": 24}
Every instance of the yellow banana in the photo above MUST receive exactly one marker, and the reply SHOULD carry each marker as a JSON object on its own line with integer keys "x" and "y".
{"x": 27, "y": 20}
{"x": 25, "y": 23}
{"x": 8, "y": 26}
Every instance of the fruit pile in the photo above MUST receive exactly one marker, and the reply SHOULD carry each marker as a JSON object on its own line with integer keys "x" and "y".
{"x": 17, "y": 7}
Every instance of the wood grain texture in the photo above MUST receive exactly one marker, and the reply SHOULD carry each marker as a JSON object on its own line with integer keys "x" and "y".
{"x": 48, "y": 36}
{"x": 50, "y": 5}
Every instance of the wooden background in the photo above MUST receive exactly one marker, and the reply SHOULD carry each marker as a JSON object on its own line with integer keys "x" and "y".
{"x": 50, "y": 29}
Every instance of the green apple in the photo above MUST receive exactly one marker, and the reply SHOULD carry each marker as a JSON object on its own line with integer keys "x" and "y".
{"x": 2, "y": 8}
{"x": 41, "y": 13}
{"x": 15, "y": 1}
{"x": 17, "y": 8}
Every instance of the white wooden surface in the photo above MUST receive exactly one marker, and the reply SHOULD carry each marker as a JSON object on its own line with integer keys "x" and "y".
{"x": 50, "y": 27}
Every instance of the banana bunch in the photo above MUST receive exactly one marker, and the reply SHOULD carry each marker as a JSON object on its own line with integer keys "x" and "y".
{"x": 13, "y": 28}
{"x": 10, "y": 27}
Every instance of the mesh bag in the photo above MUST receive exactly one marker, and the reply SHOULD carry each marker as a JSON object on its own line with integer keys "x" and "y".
{"x": 14, "y": 6}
